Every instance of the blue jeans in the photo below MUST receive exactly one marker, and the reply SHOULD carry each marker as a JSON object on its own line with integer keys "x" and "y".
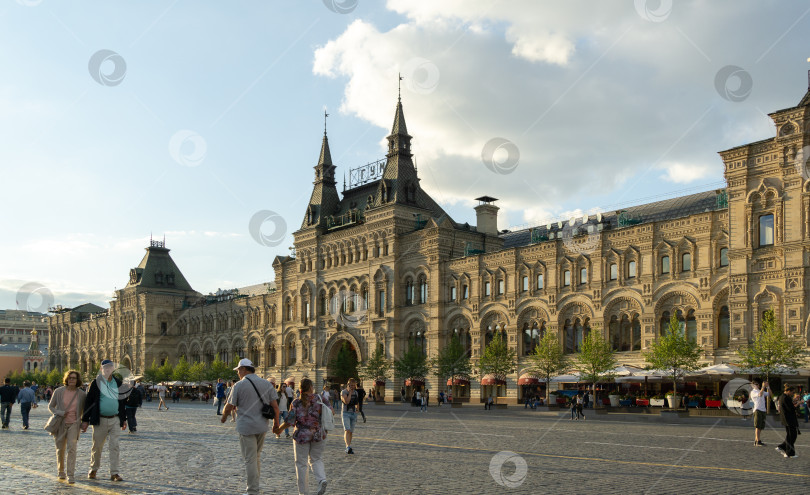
{"x": 132, "y": 423}
{"x": 25, "y": 408}
{"x": 220, "y": 400}
{"x": 284, "y": 415}
{"x": 349, "y": 420}
{"x": 5, "y": 412}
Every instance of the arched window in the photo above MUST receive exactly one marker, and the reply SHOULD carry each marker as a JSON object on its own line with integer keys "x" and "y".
{"x": 766, "y": 230}
{"x": 581, "y": 332}
{"x": 567, "y": 278}
{"x": 631, "y": 269}
{"x": 288, "y": 309}
{"x": 409, "y": 292}
{"x": 524, "y": 283}
{"x": 487, "y": 288}
{"x": 664, "y": 264}
{"x": 501, "y": 287}
{"x": 583, "y": 276}
{"x": 423, "y": 290}
{"x": 271, "y": 355}
{"x": 614, "y": 334}
{"x": 417, "y": 339}
{"x": 614, "y": 271}
{"x": 531, "y": 336}
{"x": 291, "y": 353}
{"x": 463, "y": 335}
{"x": 723, "y": 328}
{"x": 323, "y": 304}
{"x": 636, "y": 333}
{"x": 691, "y": 326}
{"x": 665, "y": 316}
{"x": 568, "y": 337}
{"x": 686, "y": 262}
{"x": 723, "y": 256}
{"x": 540, "y": 281}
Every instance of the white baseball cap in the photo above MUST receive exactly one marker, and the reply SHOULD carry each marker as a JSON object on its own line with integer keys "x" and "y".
{"x": 244, "y": 362}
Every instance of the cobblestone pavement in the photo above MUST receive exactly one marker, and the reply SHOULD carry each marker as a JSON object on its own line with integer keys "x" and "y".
{"x": 400, "y": 450}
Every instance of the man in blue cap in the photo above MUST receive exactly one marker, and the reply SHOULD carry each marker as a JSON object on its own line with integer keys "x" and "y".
{"x": 105, "y": 409}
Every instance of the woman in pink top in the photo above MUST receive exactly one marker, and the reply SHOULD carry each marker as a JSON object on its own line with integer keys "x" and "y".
{"x": 68, "y": 402}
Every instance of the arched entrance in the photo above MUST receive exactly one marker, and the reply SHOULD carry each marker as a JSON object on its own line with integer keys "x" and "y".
{"x": 342, "y": 362}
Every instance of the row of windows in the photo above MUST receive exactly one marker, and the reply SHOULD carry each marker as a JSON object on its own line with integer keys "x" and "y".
{"x": 328, "y": 261}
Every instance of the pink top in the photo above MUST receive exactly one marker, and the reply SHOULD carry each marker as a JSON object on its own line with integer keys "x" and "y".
{"x": 69, "y": 398}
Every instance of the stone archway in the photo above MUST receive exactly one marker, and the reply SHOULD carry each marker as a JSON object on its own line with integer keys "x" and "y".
{"x": 342, "y": 356}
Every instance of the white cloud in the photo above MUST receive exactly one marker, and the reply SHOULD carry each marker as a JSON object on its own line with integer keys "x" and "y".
{"x": 684, "y": 173}
{"x": 592, "y": 96}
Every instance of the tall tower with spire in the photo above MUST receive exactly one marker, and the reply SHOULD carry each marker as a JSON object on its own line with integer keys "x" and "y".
{"x": 324, "y": 199}
{"x": 400, "y": 183}
{"x": 34, "y": 360}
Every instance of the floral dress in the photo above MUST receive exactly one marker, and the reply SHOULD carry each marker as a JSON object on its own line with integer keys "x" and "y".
{"x": 307, "y": 420}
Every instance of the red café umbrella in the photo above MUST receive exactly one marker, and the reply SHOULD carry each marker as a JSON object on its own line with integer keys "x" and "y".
{"x": 492, "y": 380}
{"x": 379, "y": 382}
{"x": 529, "y": 379}
{"x": 458, "y": 381}
{"x": 414, "y": 382}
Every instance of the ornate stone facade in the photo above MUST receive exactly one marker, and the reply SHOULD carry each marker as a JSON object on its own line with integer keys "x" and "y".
{"x": 385, "y": 265}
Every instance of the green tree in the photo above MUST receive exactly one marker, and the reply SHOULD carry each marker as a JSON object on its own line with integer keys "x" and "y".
{"x": 771, "y": 351}
{"x": 595, "y": 360}
{"x": 196, "y": 372}
{"x": 452, "y": 362}
{"x": 152, "y": 373}
{"x": 220, "y": 369}
{"x": 181, "y": 370}
{"x": 412, "y": 365}
{"x": 165, "y": 371}
{"x": 673, "y": 353}
{"x": 498, "y": 359}
{"x": 548, "y": 360}
{"x": 54, "y": 378}
{"x": 344, "y": 366}
{"x": 377, "y": 366}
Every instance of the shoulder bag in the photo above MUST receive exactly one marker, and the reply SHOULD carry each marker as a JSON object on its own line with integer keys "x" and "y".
{"x": 327, "y": 418}
{"x": 267, "y": 409}
{"x": 55, "y": 422}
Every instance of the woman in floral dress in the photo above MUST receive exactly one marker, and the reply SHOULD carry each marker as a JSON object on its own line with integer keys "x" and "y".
{"x": 308, "y": 437}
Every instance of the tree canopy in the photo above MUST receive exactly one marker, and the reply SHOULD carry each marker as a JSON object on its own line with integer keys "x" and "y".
{"x": 772, "y": 351}
{"x": 498, "y": 359}
{"x": 377, "y": 366}
{"x": 673, "y": 353}
{"x": 412, "y": 364}
{"x": 548, "y": 359}
{"x": 595, "y": 359}
{"x": 452, "y": 361}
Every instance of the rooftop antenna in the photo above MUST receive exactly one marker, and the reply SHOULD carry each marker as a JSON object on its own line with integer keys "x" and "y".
{"x": 344, "y": 181}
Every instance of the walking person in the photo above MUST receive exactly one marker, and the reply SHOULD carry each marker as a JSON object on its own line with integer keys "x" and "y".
{"x": 68, "y": 402}
{"x": 309, "y": 439}
{"x": 361, "y": 394}
{"x": 573, "y": 404}
{"x": 760, "y": 393}
{"x": 26, "y": 399}
{"x": 349, "y": 397}
{"x": 426, "y": 396}
{"x": 104, "y": 408}
{"x": 787, "y": 413}
{"x": 806, "y": 400}
{"x": 249, "y": 395}
{"x": 440, "y": 398}
{"x": 8, "y": 396}
{"x": 423, "y": 405}
{"x": 283, "y": 409}
{"x": 580, "y": 401}
{"x": 132, "y": 403}
{"x": 402, "y": 394}
{"x": 220, "y": 395}
{"x": 161, "y": 390}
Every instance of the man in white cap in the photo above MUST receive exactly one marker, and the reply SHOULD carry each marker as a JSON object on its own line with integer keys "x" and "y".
{"x": 248, "y": 395}
{"x": 105, "y": 409}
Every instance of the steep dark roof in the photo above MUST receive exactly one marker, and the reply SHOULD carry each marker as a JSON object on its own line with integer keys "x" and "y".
{"x": 88, "y": 308}
{"x": 667, "y": 209}
{"x": 157, "y": 270}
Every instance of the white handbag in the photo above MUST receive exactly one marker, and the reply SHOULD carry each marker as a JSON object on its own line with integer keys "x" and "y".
{"x": 327, "y": 418}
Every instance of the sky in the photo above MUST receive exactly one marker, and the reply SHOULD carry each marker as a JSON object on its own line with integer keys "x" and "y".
{"x": 200, "y": 121}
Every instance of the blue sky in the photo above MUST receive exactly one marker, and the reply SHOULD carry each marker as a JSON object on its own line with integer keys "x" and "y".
{"x": 219, "y": 115}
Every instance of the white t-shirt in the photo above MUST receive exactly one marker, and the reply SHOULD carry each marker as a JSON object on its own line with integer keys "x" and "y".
{"x": 161, "y": 391}
{"x": 325, "y": 396}
{"x": 758, "y": 397}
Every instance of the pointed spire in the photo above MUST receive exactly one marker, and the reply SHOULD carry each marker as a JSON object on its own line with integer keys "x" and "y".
{"x": 399, "y": 126}
{"x": 326, "y": 156}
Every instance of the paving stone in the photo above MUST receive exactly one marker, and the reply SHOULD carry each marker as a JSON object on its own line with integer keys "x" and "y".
{"x": 401, "y": 450}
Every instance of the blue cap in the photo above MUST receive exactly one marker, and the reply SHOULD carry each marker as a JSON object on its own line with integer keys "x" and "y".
{"x": 106, "y": 361}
